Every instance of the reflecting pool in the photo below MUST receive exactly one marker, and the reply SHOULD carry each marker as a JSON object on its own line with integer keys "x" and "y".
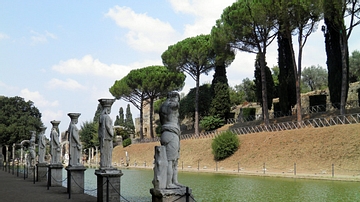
{"x": 136, "y": 183}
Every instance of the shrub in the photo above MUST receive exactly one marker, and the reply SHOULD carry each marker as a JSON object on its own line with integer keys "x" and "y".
{"x": 224, "y": 145}
{"x": 126, "y": 142}
{"x": 211, "y": 123}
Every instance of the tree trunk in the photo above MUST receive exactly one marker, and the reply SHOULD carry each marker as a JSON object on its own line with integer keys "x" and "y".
{"x": 196, "y": 125}
{"x": 344, "y": 82}
{"x": 151, "y": 117}
{"x": 263, "y": 89}
{"x": 141, "y": 133}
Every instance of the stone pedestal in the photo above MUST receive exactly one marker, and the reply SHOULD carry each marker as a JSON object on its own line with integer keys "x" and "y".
{"x": 42, "y": 171}
{"x": 75, "y": 179}
{"x": 110, "y": 179}
{"x": 182, "y": 194}
{"x": 31, "y": 172}
{"x": 55, "y": 174}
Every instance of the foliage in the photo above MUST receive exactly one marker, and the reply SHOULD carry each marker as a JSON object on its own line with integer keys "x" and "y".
{"x": 97, "y": 113}
{"x": 89, "y": 134}
{"x": 354, "y": 66}
{"x": 195, "y": 56}
{"x": 156, "y": 81}
{"x": 220, "y": 103}
{"x": 129, "y": 122}
{"x": 236, "y": 96}
{"x": 275, "y": 75}
{"x": 224, "y": 145}
{"x": 314, "y": 78}
{"x": 248, "y": 87}
{"x": 120, "y": 118}
{"x": 250, "y": 26}
{"x": 209, "y": 123}
{"x": 17, "y": 119}
{"x": 187, "y": 107}
{"x": 126, "y": 142}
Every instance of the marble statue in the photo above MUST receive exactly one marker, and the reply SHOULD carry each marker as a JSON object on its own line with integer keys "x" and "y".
{"x": 55, "y": 146}
{"x": 106, "y": 134}
{"x": 42, "y": 145}
{"x": 170, "y": 137}
{"x": 74, "y": 141}
{"x": 32, "y": 149}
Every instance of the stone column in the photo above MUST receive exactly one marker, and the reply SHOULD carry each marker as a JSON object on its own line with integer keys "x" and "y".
{"x": 13, "y": 151}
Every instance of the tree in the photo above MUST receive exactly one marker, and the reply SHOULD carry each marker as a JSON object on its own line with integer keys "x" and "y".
{"x": 314, "y": 78}
{"x": 224, "y": 55}
{"x": 250, "y": 26}
{"x": 354, "y": 66}
{"x": 129, "y": 91}
{"x": 88, "y": 134}
{"x": 187, "y": 104}
{"x": 194, "y": 56}
{"x": 249, "y": 88}
{"x": 336, "y": 45}
{"x": 156, "y": 81}
{"x": 17, "y": 119}
{"x": 129, "y": 122}
{"x": 120, "y": 118}
{"x": 97, "y": 113}
{"x": 236, "y": 96}
{"x": 300, "y": 17}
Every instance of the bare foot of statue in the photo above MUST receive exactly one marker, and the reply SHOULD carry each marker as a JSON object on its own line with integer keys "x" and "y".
{"x": 178, "y": 184}
{"x": 172, "y": 186}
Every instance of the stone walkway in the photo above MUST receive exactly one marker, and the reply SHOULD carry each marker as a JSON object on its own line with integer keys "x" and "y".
{"x": 16, "y": 189}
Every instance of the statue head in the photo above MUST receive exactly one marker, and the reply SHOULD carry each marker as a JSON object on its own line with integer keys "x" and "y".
{"x": 172, "y": 95}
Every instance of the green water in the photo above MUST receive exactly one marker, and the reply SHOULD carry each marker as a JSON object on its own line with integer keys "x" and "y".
{"x": 136, "y": 183}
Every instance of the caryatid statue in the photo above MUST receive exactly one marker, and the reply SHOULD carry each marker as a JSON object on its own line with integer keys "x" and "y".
{"x": 106, "y": 134}
{"x": 32, "y": 148}
{"x": 42, "y": 145}
{"x": 55, "y": 146}
{"x": 74, "y": 141}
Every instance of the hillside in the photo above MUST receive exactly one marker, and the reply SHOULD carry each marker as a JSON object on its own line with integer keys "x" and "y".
{"x": 314, "y": 150}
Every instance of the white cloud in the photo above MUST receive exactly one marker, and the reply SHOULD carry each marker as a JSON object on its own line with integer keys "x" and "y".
{"x": 91, "y": 66}
{"x": 68, "y": 84}
{"x": 205, "y": 12}
{"x": 145, "y": 33}
{"x": 41, "y": 38}
{"x": 3, "y": 36}
{"x": 37, "y": 98}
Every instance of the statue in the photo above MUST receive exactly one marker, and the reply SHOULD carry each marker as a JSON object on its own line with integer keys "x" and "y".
{"x": 55, "y": 144}
{"x": 170, "y": 137}
{"x": 74, "y": 141}
{"x": 42, "y": 145}
{"x": 32, "y": 149}
{"x": 106, "y": 134}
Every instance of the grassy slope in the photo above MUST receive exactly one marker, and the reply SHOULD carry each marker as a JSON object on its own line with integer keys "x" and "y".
{"x": 312, "y": 149}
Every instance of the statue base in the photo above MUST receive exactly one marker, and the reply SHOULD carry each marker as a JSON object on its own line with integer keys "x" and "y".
{"x": 108, "y": 178}
{"x": 182, "y": 194}
{"x": 31, "y": 172}
{"x": 75, "y": 176}
{"x": 42, "y": 172}
{"x": 55, "y": 175}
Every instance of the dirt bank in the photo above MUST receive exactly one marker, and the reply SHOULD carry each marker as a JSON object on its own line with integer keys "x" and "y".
{"x": 316, "y": 152}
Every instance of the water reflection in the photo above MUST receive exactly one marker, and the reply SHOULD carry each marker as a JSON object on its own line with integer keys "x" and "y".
{"x": 136, "y": 183}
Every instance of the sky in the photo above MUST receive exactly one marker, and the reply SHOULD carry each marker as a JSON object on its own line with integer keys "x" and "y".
{"x": 65, "y": 55}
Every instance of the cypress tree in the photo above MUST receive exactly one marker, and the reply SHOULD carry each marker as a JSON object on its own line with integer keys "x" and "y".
{"x": 129, "y": 123}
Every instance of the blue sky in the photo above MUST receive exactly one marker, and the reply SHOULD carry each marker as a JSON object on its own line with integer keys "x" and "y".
{"x": 65, "y": 55}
